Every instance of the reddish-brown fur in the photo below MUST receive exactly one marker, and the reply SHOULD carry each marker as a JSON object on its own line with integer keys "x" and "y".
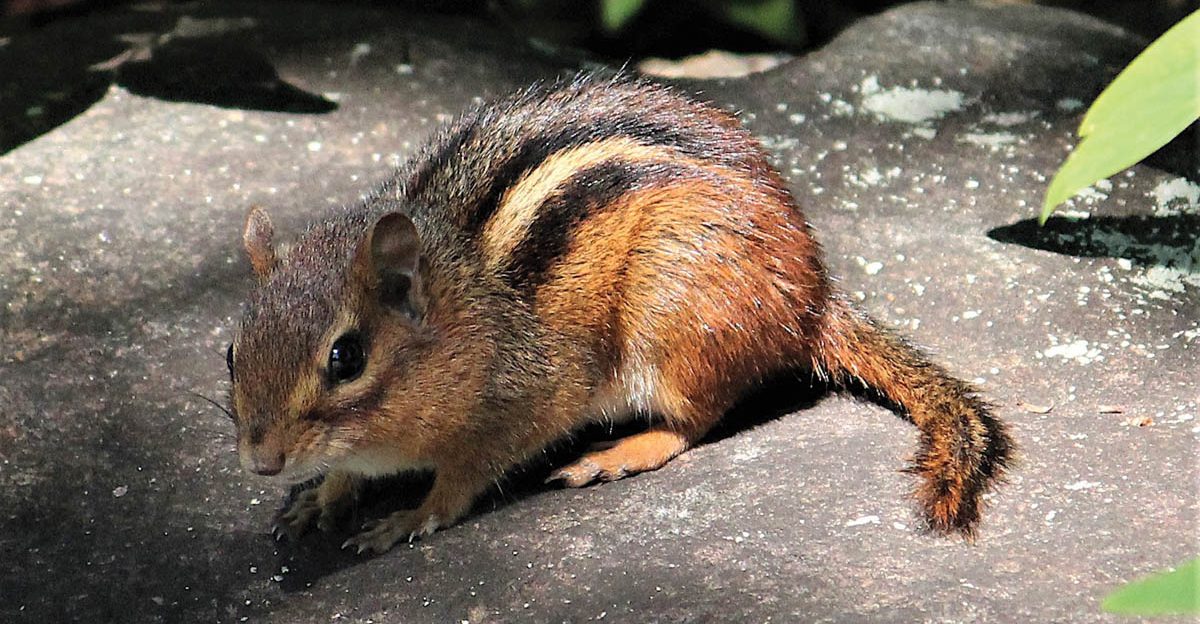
{"x": 593, "y": 252}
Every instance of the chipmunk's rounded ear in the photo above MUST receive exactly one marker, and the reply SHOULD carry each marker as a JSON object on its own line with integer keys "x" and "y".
{"x": 256, "y": 238}
{"x": 394, "y": 259}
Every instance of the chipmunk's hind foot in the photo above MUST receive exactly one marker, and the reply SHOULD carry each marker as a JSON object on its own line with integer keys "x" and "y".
{"x": 640, "y": 452}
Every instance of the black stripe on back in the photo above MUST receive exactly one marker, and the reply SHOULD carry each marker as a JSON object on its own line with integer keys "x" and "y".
{"x": 442, "y": 153}
{"x": 589, "y": 192}
{"x": 535, "y": 150}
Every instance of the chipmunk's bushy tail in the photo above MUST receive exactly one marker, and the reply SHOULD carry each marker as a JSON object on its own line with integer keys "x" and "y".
{"x": 963, "y": 449}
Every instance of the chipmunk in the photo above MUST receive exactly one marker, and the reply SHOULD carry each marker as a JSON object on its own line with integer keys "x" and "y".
{"x": 591, "y": 251}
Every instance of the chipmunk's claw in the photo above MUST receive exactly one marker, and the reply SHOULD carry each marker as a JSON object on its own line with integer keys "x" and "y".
{"x": 585, "y": 472}
{"x": 380, "y": 535}
{"x": 296, "y": 519}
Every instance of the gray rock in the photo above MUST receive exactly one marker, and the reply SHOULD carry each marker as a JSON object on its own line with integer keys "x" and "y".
{"x": 919, "y": 141}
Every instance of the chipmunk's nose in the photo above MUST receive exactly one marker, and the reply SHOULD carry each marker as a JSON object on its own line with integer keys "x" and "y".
{"x": 266, "y": 462}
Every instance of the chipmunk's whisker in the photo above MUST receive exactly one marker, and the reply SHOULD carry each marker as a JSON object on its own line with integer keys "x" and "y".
{"x": 214, "y": 404}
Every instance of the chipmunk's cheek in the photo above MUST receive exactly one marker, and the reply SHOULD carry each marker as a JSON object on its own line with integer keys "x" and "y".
{"x": 316, "y": 447}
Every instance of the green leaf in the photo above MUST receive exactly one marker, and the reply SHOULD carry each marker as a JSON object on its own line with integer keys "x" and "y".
{"x": 614, "y": 14}
{"x": 1175, "y": 592}
{"x": 774, "y": 19}
{"x": 1154, "y": 99}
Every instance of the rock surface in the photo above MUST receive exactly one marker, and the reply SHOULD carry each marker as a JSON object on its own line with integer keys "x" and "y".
{"x": 919, "y": 141}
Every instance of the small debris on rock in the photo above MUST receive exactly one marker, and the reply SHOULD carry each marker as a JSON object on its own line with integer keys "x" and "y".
{"x": 360, "y": 50}
{"x": 1034, "y": 409}
{"x": 120, "y": 491}
{"x": 1111, "y": 409}
{"x": 1139, "y": 421}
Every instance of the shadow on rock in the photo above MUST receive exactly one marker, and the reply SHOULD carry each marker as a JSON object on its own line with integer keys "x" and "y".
{"x": 1168, "y": 241}
{"x": 157, "y": 53}
{"x": 95, "y": 532}
{"x": 777, "y": 397}
{"x": 43, "y": 87}
{"x": 316, "y": 555}
{"x": 214, "y": 71}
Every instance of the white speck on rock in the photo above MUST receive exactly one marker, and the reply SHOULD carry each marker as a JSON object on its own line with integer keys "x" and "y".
{"x": 1166, "y": 279}
{"x": 871, "y": 176}
{"x": 749, "y": 453}
{"x": 861, "y": 520}
{"x": 1093, "y": 194}
{"x": 842, "y": 108}
{"x": 1068, "y": 104}
{"x": 779, "y": 142}
{"x": 916, "y": 106}
{"x": 120, "y": 490}
{"x": 1079, "y": 350}
{"x": 1008, "y": 119}
{"x": 925, "y": 133}
{"x": 1168, "y": 191}
{"x": 990, "y": 140}
{"x": 360, "y": 50}
{"x": 1082, "y": 485}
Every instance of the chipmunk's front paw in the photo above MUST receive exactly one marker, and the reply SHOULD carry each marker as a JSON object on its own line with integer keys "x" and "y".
{"x": 305, "y": 511}
{"x": 296, "y": 519}
{"x": 380, "y": 535}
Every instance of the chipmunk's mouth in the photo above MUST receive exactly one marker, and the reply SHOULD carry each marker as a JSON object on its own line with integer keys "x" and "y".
{"x": 288, "y": 471}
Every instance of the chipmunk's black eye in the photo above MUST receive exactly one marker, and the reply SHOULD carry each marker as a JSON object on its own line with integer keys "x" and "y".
{"x": 229, "y": 361}
{"x": 346, "y": 359}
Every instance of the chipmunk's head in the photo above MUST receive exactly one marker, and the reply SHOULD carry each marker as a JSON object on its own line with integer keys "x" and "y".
{"x": 332, "y": 329}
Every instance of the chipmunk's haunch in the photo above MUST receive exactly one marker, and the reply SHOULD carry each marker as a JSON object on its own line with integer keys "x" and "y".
{"x": 593, "y": 251}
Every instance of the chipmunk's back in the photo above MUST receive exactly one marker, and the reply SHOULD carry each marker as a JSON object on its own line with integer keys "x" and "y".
{"x": 638, "y": 223}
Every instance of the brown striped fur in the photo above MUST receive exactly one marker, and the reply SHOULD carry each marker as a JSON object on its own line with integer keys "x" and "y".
{"x": 592, "y": 251}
